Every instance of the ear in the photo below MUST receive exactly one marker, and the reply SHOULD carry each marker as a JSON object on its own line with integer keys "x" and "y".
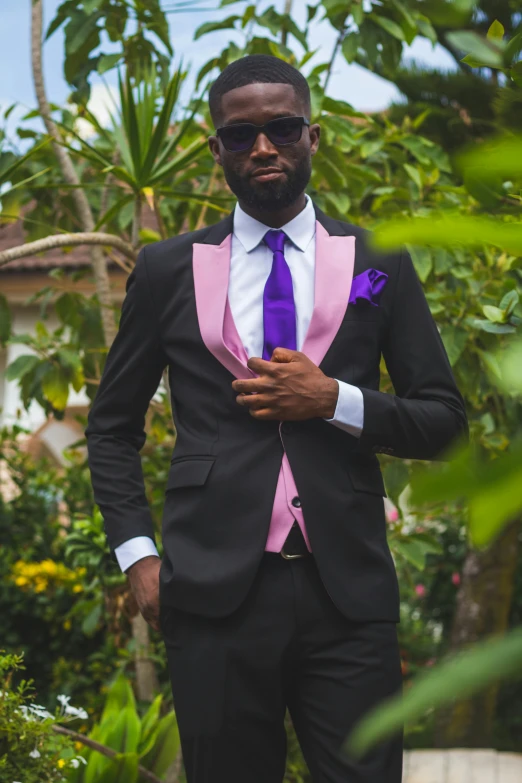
{"x": 315, "y": 134}
{"x": 215, "y": 149}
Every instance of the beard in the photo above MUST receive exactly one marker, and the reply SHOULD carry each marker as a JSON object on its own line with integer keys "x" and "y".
{"x": 270, "y": 196}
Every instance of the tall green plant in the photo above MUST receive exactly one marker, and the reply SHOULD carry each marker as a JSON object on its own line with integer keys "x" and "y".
{"x": 150, "y": 742}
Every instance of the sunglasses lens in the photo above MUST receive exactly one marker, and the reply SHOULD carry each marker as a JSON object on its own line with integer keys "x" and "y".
{"x": 285, "y": 131}
{"x": 241, "y": 137}
{"x": 237, "y": 138}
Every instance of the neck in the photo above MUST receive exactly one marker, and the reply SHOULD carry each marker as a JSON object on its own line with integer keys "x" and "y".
{"x": 278, "y": 218}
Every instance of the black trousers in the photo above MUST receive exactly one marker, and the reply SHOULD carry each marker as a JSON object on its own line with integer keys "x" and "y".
{"x": 286, "y": 646}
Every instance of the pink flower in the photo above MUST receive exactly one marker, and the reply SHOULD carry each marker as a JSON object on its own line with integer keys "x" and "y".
{"x": 456, "y": 579}
{"x": 393, "y": 515}
{"x": 420, "y": 590}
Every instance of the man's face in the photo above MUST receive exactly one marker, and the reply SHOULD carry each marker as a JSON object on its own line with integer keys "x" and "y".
{"x": 266, "y": 177}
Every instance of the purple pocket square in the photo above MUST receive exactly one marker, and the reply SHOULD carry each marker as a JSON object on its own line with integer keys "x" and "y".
{"x": 368, "y": 285}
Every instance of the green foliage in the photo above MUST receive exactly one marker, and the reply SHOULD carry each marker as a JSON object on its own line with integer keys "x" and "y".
{"x": 141, "y": 134}
{"x": 151, "y": 741}
{"x": 492, "y": 487}
{"x": 147, "y": 44}
{"x": 467, "y": 103}
{"x": 29, "y": 747}
{"x": 10, "y": 163}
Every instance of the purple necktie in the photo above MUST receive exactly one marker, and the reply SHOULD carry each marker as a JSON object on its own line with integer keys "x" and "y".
{"x": 278, "y": 300}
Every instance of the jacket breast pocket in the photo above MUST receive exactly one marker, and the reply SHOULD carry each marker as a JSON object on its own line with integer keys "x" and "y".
{"x": 366, "y": 476}
{"x": 189, "y": 471}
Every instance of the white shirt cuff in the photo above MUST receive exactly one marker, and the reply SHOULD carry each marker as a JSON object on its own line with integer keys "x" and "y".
{"x": 133, "y": 550}
{"x": 349, "y": 411}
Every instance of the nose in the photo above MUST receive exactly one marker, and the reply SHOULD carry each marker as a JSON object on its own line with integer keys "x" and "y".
{"x": 263, "y": 148}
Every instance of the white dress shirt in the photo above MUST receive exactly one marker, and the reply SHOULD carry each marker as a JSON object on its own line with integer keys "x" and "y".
{"x": 250, "y": 265}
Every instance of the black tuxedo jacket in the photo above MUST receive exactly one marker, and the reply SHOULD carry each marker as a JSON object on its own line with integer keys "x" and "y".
{"x": 224, "y": 470}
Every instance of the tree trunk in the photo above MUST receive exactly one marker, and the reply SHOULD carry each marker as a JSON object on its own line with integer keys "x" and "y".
{"x": 483, "y": 606}
{"x": 286, "y": 11}
{"x": 101, "y": 275}
{"x": 147, "y": 685}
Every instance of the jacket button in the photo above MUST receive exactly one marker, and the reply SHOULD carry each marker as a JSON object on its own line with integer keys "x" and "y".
{"x": 296, "y": 502}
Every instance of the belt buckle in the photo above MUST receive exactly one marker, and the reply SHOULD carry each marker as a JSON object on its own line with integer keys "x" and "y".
{"x": 289, "y": 557}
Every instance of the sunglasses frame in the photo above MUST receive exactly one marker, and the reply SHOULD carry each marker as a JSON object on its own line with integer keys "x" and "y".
{"x": 262, "y": 129}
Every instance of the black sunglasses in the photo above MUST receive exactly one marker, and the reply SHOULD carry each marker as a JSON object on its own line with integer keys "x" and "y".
{"x": 242, "y": 136}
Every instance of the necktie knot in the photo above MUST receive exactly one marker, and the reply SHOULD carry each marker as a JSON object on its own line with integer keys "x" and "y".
{"x": 275, "y": 239}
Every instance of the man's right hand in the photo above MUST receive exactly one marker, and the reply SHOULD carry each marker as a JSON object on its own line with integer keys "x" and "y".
{"x": 144, "y": 580}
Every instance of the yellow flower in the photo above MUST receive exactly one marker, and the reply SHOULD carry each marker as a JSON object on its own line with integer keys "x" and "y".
{"x": 67, "y": 625}
{"x": 77, "y": 589}
{"x": 78, "y": 746}
{"x": 61, "y": 763}
{"x": 21, "y": 581}
{"x": 40, "y": 586}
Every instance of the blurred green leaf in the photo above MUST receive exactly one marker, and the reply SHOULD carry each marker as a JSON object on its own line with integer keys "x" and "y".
{"x": 454, "y": 340}
{"x": 485, "y": 51}
{"x": 349, "y": 47}
{"x": 449, "y": 231}
{"x": 494, "y": 314}
{"x": 209, "y": 27}
{"x": 422, "y": 261}
{"x": 510, "y": 362}
{"x": 122, "y": 769}
{"x": 165, "y": 748}
{"x": 389, "y": 25}
{"x": 501, "y": 156}
{"x": 468, "y": 672}
{"x": 5, "y": 320}
{"x": 415, "y": 548}
{"x": 492, "y": 487}
{"x": 448, "y": 13}
{"x": 20, "y": 366}
{"x": 496, "y": 31}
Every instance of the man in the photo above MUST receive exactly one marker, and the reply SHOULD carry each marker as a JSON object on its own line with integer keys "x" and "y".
{"x": 276, "y": 588}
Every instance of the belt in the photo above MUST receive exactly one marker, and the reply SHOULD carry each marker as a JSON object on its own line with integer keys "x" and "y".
{"x": 295, "y": 545}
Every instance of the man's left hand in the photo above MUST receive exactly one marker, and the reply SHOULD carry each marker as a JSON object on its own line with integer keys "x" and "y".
{"x": 290, "y": 387}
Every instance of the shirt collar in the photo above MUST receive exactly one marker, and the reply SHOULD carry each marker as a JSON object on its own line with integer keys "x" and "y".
{"x": 299, "y": 230}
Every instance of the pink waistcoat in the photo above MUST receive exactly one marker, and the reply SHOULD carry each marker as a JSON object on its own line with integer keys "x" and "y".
{"x": 283, "y": 512}
{"x": 334, "y": 264}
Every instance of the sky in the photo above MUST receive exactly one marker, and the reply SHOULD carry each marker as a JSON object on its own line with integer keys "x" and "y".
{"x": 351, "y": 83}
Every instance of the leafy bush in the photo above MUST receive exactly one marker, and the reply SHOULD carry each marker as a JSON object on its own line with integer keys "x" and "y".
{"x": 30, "y": 749}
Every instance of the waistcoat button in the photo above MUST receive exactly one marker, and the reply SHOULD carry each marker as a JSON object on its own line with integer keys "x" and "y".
{"x": 296, "y": 502}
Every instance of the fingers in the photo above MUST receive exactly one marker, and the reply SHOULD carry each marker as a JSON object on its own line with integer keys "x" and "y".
{"x": 253, "y": 401}
{"x": 266, "y": 414}
{"x": 249, "y": 385}
{"x": 261, "y": 366}
{"x": 285, "y": 355}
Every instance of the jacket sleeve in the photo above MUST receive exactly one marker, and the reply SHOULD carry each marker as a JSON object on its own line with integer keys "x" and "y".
{"x": 115, "y": 426}
{"x": 427, "y": 412}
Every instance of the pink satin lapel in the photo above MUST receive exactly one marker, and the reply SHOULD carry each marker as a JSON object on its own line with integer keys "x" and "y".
{"x": 334, "y": 263}
{"x": 211, "y": 269}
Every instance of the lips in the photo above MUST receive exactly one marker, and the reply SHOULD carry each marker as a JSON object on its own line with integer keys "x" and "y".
{"x": 265, "y": 175}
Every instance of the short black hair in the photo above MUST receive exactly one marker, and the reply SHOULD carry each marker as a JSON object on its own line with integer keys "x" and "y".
{"x": 256, "y": 69}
